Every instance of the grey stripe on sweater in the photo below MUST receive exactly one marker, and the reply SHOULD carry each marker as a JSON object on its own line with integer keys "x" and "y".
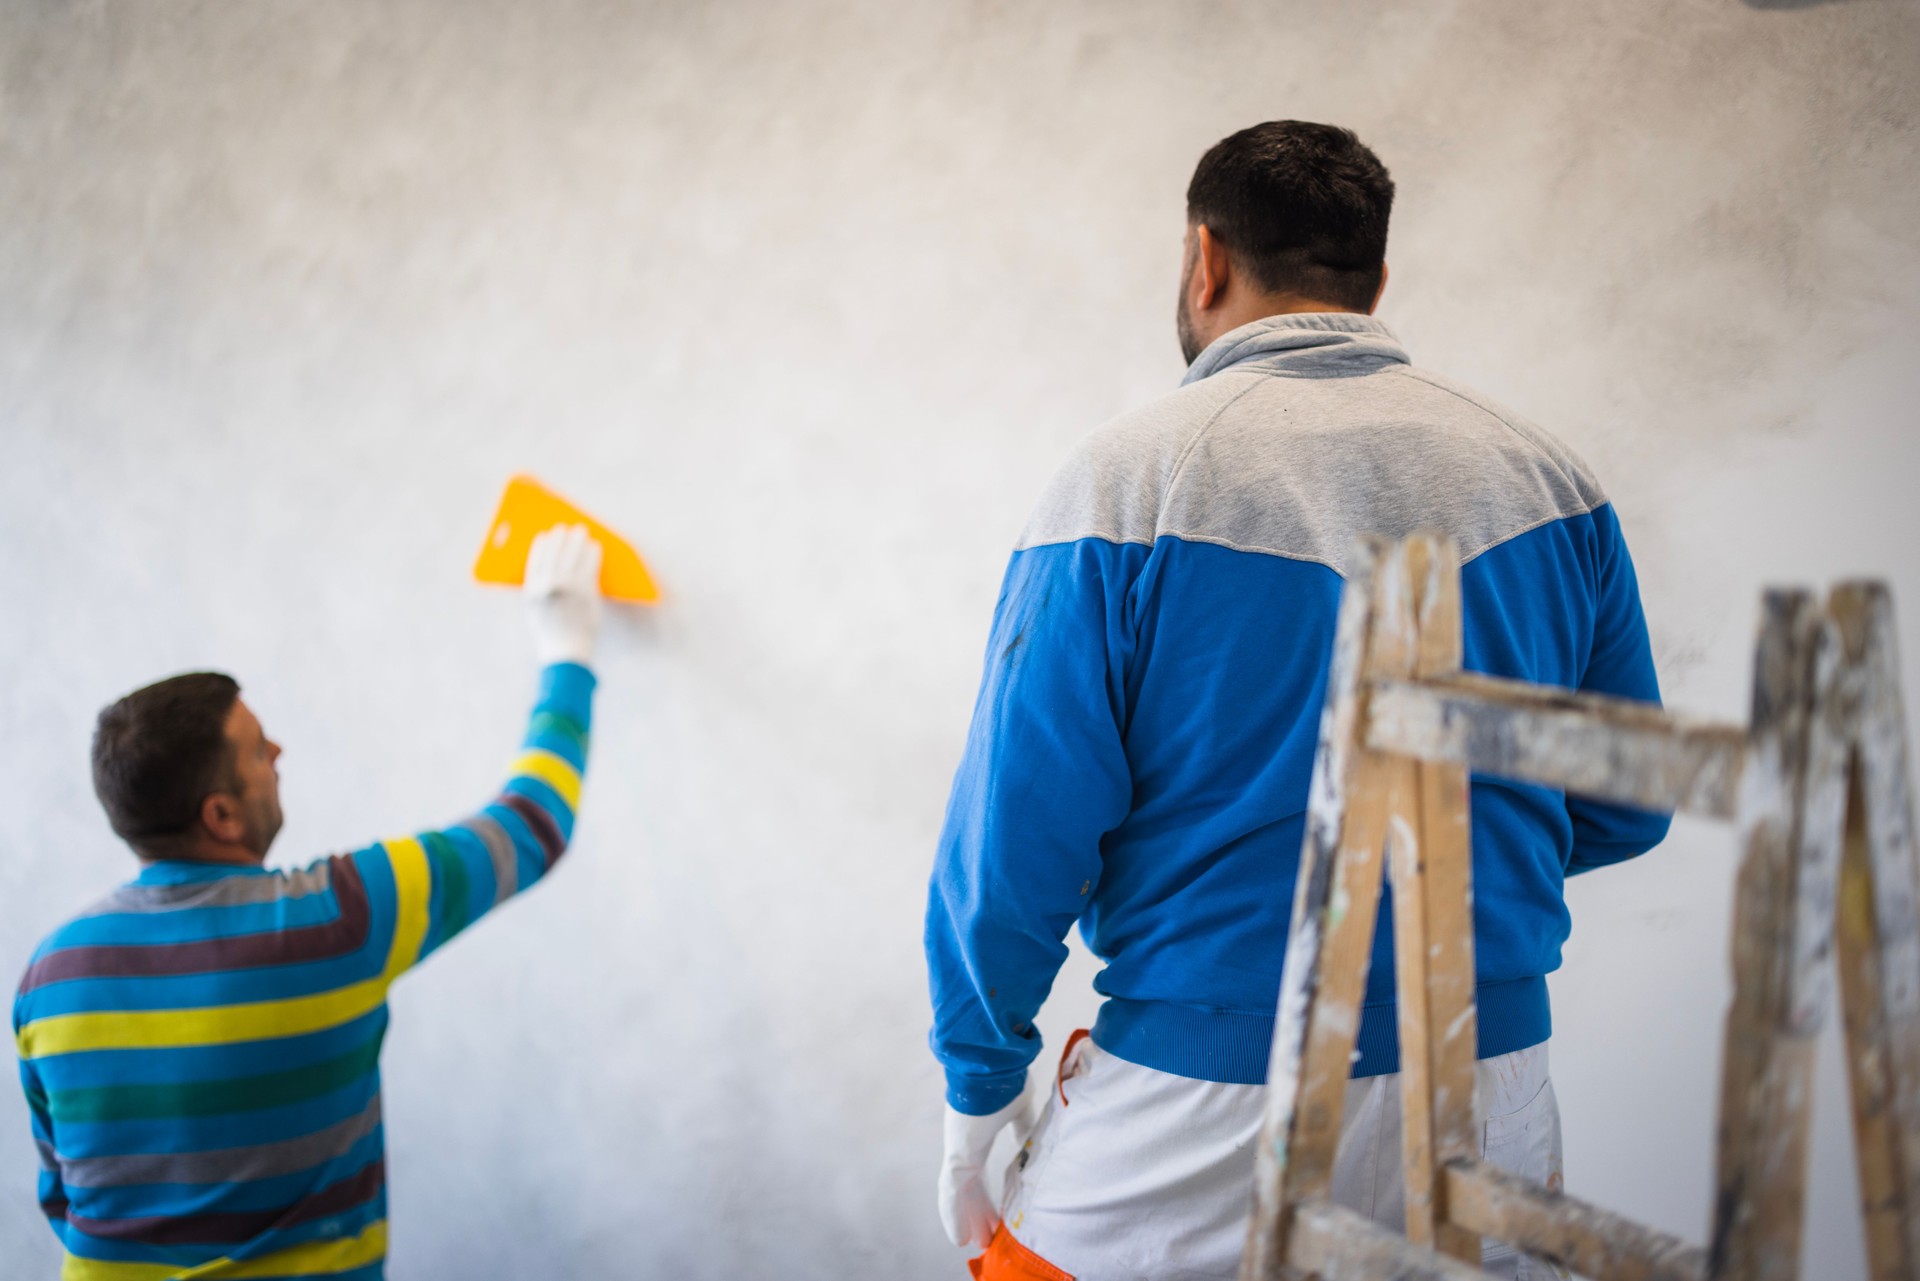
{"x": 228, "y": 891}
{"x": 222, "y": 1165}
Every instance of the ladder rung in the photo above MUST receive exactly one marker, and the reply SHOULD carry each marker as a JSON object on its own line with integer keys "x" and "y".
{"x": 1590, "y": 1241}
{"x": 1613, "y": 749}
{"x": 1332, "y": 1241}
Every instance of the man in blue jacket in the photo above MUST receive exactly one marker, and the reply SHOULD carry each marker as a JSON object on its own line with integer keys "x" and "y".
{"x": 1139, "y": 755}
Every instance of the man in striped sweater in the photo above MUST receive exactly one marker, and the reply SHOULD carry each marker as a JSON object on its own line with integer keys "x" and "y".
{"x": 200, "y": 1050}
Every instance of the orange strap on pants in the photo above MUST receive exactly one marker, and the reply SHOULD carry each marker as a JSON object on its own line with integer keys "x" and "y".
{"x": 1007, "y": 1260}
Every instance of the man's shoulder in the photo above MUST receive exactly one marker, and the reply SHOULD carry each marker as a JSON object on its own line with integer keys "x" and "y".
{"x": 75, "y": 931}
{"x": 1113, "y": 482}
{"x": 1301, "y": 466}
{"x": 137, "y": 914}
{"x": 1521, "y": 433}
{"x": 69, "y": 934}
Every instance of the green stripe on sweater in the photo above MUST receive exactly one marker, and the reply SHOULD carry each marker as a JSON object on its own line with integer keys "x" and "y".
{"x": 453, "y": 910}
{"x": 212, "y": 1098}
{"x": 558, "y": 725}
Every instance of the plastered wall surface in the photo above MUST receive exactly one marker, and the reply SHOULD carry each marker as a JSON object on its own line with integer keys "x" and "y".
{"x": 809, "y": 299}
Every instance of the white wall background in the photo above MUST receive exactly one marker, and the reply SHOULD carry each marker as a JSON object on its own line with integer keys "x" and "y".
{"x": 810, "y": 298}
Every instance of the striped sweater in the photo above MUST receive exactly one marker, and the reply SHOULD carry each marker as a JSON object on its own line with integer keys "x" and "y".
{"x": 200, "y": 1050}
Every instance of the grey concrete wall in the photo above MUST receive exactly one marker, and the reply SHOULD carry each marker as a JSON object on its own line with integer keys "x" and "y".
{"x": 809, "y": 298}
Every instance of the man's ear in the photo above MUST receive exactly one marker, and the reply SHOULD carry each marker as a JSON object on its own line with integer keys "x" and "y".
{"x": 1210, "y": 268}
{"x": 1375, "y": 304}
{"x": 220, "y": 815}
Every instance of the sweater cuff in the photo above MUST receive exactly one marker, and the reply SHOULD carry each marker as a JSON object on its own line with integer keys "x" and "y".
{"x": 568, "y": 687}
{"x": 975, "y": 1095}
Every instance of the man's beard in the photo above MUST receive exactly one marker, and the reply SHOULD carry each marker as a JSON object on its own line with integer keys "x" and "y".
{"x": 263, "y": 824}
{"x": 1183, "y": 317}
{"x": 1190, "y": 344}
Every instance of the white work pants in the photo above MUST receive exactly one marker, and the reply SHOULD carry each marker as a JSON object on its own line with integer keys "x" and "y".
{"x": 1138, "y": 1175}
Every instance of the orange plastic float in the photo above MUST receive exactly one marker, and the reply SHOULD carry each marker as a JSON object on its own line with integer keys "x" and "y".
{"x": 528, "y": 507}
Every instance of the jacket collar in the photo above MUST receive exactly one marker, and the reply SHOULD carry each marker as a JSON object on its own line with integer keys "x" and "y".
{"x": 1315, "y": 344}
{"x": 185, "y": 871}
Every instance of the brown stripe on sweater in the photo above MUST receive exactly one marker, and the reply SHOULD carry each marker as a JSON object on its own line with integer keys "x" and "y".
{"x": 223, "y": 1165}
{"x": 235, "y": 1227}
{"x": 346, "y": 932}
{"x": 541, "y": 823}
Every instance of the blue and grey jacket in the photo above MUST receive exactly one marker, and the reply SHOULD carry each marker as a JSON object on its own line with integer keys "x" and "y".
{"x": 1139, "y": 755}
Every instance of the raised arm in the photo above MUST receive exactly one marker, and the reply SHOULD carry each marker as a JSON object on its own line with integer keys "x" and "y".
{"x": 433, "y": 884}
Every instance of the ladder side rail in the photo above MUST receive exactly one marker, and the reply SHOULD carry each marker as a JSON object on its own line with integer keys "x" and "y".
{"x": 1879, "y": 939}
{"x": 1430, "y": 863}
{"x": 1311, "y": 972}
{"x": 1784, "y": 1113}
{"x": 1876, "y": 1132}
{"x": 1752, "y": 1144}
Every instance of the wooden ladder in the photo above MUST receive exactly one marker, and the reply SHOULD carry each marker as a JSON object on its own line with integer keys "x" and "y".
{"x": 1818, "y": 786}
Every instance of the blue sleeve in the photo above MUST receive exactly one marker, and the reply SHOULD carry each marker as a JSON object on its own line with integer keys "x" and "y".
{"x": 473, "y": 868}
{"x": 1043, "y": 778}
{"x": 1619, "y": 663}
{"x": 445, "y": 879}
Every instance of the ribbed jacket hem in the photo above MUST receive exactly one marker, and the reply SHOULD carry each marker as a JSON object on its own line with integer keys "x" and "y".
{"x": 1231, "y": 1046}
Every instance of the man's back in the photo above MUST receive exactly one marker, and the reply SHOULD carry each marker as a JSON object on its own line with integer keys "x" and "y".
{"x": 1154, "y": 685}
{"x": 200, "y": 1050}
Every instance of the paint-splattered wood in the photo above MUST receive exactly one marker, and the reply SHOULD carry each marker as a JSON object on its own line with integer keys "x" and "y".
{"x": 1609, "y": 748}
{"x": 1431, "y": 863}
{"x": 1779, "y": 1111}
{"x": 1264, "y": 1258}
{"x": 1336, "y": 1243}
{"x": 1879, "y": 938}
{"x": 1584, "y": 1238}
{"x": 1823, "y": 820}
{"x": 1420, "y": 1170}
{"x": 1820, "y": 786}
{"x": 1335, "y": 904}
{"x": 1764, "y": 1074}
{"x": 1345, "y": 919}
{"x": 1875, "y": 1135}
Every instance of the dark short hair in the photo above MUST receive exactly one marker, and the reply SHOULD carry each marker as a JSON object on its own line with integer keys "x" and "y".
{"x": 1301, "y": 207}
{"x": 160, "y": 751}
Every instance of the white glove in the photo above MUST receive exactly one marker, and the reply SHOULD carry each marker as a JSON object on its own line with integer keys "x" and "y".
{"x": 563, "y": 594}
{"x": 965, "y": 1211}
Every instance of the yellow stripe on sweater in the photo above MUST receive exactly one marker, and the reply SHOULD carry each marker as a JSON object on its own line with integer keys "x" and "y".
{"x": 311, "y": 1259}
{"x": 554, "y": 770}
{"x": 211, "y": 1025}
{"x": 252, "y": 1020}
{"x": 413, "y": 886}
